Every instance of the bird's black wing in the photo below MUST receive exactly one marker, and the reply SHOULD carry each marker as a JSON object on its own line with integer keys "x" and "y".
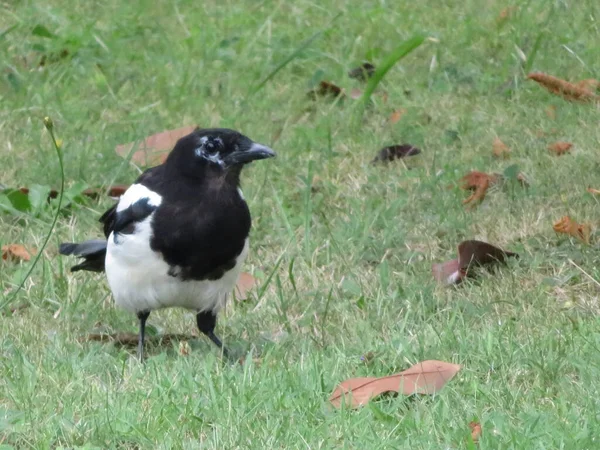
{"x": 124, "y": 221}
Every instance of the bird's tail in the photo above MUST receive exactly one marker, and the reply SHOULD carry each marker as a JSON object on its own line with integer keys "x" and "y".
{"x": 93, "y": 252}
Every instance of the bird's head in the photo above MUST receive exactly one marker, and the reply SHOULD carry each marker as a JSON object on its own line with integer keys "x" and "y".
{"x": 215, "y": 150}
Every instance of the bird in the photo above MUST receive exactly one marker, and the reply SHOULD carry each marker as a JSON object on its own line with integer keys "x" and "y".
{"x": 179, "y": 235}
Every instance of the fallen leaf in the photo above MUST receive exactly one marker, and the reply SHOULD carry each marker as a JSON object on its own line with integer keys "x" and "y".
{"x": 551, "y": 112}
{"x": 154, "y": 149}
{"x": 244, "y": 284}
{"x": 395, "y": 152}
{"x": 474, "y": 179}
{"x": 591, "y": 190}
{"x": 568, "y": 226}
{"x": 362, "y": 72}
{"x": 590, "y": 84}
{"x": 397, "y": 115}
{"x": 16, "y": 253}
{"x": 560, "y": 148}
{"x": 448, "y": 272}
{"x": 475, "y": 431}
{"x": 114, "y": 191}
{"x": 326, "y": 88}
{"x": 426, "y": 377}
{"x": 567, "y": 90}
{"x": 500, "y": 149}
{"x": 471, "y": 254}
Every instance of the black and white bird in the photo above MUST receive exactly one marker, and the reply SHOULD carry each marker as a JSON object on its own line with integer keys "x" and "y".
{"x": 179, "y": 235}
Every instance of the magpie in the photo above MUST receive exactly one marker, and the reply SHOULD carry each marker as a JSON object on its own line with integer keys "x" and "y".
{"x": 178, "y": 236}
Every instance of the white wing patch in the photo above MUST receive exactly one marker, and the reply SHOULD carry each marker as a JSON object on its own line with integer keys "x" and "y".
{"x": 135, "y": 193}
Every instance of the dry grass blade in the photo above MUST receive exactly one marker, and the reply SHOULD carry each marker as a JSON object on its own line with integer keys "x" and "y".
{"x": 566, "y": 225}
{"x": 567, "y": 90}
{"x": 426, "y": 377}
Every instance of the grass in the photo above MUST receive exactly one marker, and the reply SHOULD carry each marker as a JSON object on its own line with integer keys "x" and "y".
{"x": 347, "y": 246}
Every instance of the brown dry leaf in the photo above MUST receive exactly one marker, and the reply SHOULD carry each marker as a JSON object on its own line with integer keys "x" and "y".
{"x": 475, "y": 178}
{"x": 448, "y": 272}
{"x": 244, "y": 284}
{"x": 568, "y": 226}
{"x": 395, "y": 152}
{"x": 471, "y": 254}
{"x": 479, "y": 194}
{"x": 560, "y": 148}
{"x": 590, "y": 84}
{"x": 16, "y": 253}
{"x": 500, "y": 149}
{"x": 567, "y": 90}
{"x": 397, "y": 115}
{"x": 154, "y": 149}
{"x": 551, "y": 112}
{"x": 475, "y": 253}
{"x": 591, "y": 190}
{"x": 362, "y": 72}
{"x": 475, "y": 431}
{"x": 326, "y": 88}
{"x": 426, "y": 377}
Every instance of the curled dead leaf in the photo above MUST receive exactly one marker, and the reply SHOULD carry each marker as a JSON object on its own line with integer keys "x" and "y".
{"x": 244, "y": 284}
{"x": 590, "y": 84}
{"x": 326, "y": 88}
{"x": 471, "y": 254}
{"x": 474, "y": 179}
{"x": 397, "y": 115}
{"x": 566, "y": 225}
{"x": 395, "y": 152}
{"x": 16, "y": 253}
{"x": 567, "y": 90}
{"x": 560, "y": 148}
{"x": 500, "y": 149}
{"x": 475, "y": 431}
{"x": 427, "y": 377}
{"x": 155, "y": 148}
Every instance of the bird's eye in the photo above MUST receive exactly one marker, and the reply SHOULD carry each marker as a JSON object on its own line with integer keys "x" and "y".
{"x": 213, "y": 144}
{"x": 209, "y": 145}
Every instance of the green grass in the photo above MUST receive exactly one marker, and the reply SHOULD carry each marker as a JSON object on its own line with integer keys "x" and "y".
{"x": 349, "y": 245}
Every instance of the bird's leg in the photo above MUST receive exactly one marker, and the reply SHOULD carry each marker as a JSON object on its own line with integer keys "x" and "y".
{"x": 207, "y": 321}
{"x": 143, "y": 316}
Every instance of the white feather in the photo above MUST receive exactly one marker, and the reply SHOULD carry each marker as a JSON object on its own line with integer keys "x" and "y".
{"x": 138, "y": 276}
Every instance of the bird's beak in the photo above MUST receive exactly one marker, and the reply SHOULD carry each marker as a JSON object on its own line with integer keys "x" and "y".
{"x": 254, "y": 152}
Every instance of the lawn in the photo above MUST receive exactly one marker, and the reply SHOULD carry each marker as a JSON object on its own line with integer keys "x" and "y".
{"x": 342, "y": 248}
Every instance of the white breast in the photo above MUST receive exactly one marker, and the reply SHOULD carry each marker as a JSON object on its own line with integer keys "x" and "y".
{"x": 138, "y": 276}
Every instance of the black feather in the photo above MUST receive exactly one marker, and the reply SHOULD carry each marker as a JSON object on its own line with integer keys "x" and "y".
{"x": 93, "y": 252}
